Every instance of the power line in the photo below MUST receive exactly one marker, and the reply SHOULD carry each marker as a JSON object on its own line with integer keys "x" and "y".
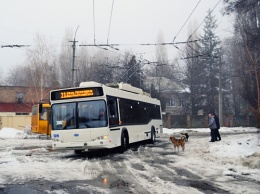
{"x": 198, "y": 54}
{"x": 110, "y": 21}
{"x": 204, "y": 19}
{"x": 141, "y": 44}
{"x": 186, "y": 20}
{"x": 14, "y": 45}
{"x": 116, "y": 50}
{"x": 94, "y": 21}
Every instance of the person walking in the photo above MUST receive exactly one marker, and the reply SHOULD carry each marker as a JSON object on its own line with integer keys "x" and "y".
{"x": 218, "y": 137}
{"x": 213, "y": 128}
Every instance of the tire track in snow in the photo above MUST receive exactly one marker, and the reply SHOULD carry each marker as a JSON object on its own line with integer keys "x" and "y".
{"x": 160, "y": 162}
{"x": 120, "y": 165}
{"x": 111, "y": 172}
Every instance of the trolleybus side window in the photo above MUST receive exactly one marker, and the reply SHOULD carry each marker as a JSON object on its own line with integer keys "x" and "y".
{"x": 156, "y": 112}
{"x": 137, "y": 112}
{"x": 112, "y": 111}
{"x": 125, "y": 111}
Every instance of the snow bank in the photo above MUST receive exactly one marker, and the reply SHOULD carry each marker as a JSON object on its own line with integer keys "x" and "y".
{"x": 12, "y": 133}
{"x": 207, "y": 130}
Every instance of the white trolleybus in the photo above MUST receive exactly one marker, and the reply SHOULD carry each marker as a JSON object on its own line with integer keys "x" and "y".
{"x": 96, "y": 116}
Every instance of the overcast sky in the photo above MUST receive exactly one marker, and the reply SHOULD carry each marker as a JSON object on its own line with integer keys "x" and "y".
{"x": 132, "y": 22}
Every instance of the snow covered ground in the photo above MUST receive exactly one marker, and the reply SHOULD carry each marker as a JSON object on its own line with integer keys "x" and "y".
{"x": 232, "y": 164}
{"x": 236, "y": 156}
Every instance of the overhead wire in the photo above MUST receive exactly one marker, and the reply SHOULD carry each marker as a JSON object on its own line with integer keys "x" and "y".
{"x": 188, "y": 41}
{"x": 147, "y": 44}
{"x": 115, "y": 50}
{"x": 184, "y": 25}
{"x": 110, "y": 21}
{"x": 204, "y": 20}
{"x": 141, "y": 44}
{"x": 187, "y": 20}
{"x": 169, "y": 44}
{"x": 14, "y": 45}
{"x": 199, "y": 54}
{"x": 176, "y": 34}
{"x": 94, "y": 22}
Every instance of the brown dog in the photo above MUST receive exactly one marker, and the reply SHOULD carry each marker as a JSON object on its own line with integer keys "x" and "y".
{"x": 178, "y": 142}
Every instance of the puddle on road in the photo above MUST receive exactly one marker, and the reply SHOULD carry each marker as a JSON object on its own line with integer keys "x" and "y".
{"x": 18, "y": 189}
{"x": 110, "y": 182}
{"x": 138, "y": 167}
{"x": 113, "y": 182}
{"x": 119, "y": 184}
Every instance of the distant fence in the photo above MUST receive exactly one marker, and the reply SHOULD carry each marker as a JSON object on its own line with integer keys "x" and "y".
{"x": 201, "y": 121}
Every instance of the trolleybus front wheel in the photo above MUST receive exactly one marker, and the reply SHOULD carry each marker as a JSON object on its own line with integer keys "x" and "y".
{"x": 152, "y": 140}
{"x": 78, "y": 151}
{"x": 124, "y": 141}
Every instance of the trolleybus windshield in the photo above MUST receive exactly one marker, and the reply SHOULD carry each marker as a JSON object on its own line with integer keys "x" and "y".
{"x": 79, "y": 115}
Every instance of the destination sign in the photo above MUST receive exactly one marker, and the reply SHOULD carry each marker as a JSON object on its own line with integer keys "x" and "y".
{"x": 76, "y": 93}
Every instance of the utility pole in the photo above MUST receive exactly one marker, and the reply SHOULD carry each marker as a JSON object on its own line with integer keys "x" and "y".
{"x": 73, "y": 58}
{"x": 220, "y": 94}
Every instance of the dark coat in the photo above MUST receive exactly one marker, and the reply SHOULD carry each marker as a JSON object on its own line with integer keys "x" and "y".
{"x": 217, "y": 122}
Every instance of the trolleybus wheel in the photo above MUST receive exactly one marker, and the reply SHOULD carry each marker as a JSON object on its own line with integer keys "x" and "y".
{"x": 152, "y": 140}
{"x": 77, "y": 151}
{"x": 124, "y": 141}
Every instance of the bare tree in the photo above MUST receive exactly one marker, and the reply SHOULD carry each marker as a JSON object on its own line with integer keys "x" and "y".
{"x": 65, "y": 60}
{"x": 18, "y": 76}
{"x": 233, "y": 102}
{"x": 252, "y": 77}
{"x": 247, "y": 28}
{"x": 38, "y": 72}
{"x": 41, "y": 63}
{"x": 83, "y": 66}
